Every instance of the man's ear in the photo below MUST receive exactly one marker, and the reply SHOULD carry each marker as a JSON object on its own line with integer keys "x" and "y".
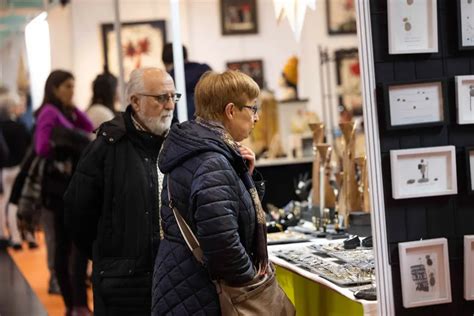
{"x": 229, "y": 111}
{"x": 134, "y": 102}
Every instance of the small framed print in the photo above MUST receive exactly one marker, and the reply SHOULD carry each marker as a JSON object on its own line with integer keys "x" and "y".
{"x": 465, "y": 99}
{"x": 412, "y": 26}
{"x": 419, "y": 172}
{"x": 469, "y": 267}
{"x": 424, "y": 269}
{"x": 466, "y": 24}
{"x": 239, "y": 17}
{"x": 470, "y": 168}
{"x": 341, "y": 17}
{"x": 253, "y": 68}
{"x": 415, "y": 104}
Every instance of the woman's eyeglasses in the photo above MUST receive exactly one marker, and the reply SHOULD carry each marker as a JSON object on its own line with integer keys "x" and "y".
{"x": 163, "y": 98}
{"x": 254, "y": 108}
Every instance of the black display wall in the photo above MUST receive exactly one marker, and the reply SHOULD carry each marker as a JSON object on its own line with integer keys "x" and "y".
{"x": 451, "y": 216}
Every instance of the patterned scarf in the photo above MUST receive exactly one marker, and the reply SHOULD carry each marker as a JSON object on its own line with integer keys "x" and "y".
{"x": 260, "y": 250}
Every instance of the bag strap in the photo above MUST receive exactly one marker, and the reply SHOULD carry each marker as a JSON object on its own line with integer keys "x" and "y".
{"x": 184, "y": 228}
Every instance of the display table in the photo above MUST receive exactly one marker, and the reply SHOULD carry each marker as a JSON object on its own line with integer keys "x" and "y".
{"x": 313, "y": 295}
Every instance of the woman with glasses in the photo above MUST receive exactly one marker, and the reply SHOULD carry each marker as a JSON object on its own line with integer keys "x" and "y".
{"x": 208, "y": 175}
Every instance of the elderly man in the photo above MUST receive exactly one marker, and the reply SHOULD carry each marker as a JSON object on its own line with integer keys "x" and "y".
{"x": 112, "y": 203}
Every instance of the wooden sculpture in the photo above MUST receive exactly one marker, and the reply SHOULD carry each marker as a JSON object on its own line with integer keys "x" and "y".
{"x": 349, "y": 183}
{"x": 361, "y": 162}
{"x": 325, "y": 189}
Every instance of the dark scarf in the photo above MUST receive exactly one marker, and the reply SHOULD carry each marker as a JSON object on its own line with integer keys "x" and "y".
{"x": 260, "y": 239}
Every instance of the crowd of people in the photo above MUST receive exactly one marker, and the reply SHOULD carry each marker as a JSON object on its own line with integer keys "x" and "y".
{"x": 113, "y": 187}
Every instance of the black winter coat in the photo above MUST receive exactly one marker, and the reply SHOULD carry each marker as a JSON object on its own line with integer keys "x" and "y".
{"x": 112, "y": 212}
{"x": 17, "y": 139}
{"x": 207, "y": 190}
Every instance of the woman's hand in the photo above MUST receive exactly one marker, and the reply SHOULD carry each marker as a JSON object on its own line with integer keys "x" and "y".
{"x": 249, "y": 156}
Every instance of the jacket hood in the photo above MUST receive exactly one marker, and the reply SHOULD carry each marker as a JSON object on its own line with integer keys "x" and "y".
{"x": 190, "y": 139}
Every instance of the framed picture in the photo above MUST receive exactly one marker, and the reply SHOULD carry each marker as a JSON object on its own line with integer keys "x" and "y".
{"x": 424, "y": 269}
{"x": 142, "y": 44}
{"x": 253, "y": 68}
{"x": 469, "y": 267}
{"x": 470, "y": 168}
{"x": 466, "y": 24}
{"x": 348, "y": 79}
{"x": 412, "y": 26}
{"x": 239, "y": 17}
{"x": 415, "y": 104}
{"x": 465, "y": 99}
{"x": 341, "y": 17}
{"x": 428, "y": 171}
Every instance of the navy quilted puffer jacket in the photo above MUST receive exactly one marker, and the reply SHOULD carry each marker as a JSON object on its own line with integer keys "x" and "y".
{"x": 207, "y": 190}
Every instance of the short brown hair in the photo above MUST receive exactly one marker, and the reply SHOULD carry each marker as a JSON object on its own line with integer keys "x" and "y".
{"x": 215, "y": 90}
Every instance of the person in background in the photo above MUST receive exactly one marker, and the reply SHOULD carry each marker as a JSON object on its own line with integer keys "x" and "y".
{"x": 62, "y": 130}
{"x": 102, "y": 107}
{"x": 17, "y": 139}
{"x": 210, "y": 183}
{"x": 192, "y": 72}
{"x": 112, "y": 202}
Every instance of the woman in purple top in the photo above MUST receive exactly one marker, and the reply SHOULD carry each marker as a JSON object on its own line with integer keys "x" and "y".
{"x": 62, "y": 131}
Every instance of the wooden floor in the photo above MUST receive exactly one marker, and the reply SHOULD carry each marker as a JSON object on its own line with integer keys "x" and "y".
{"x": 32, "y": 264}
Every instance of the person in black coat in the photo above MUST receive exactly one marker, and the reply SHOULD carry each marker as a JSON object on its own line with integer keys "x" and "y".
{"x": 210, "y": 185}
{"x": 112, "y": 202}
{"x": 192, "y": 73}
{"x": 17, "y": 139}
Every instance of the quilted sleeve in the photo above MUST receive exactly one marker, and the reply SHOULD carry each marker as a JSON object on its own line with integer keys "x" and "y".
{"x": 214, "y": 191}
{"x": 84, "y": 196}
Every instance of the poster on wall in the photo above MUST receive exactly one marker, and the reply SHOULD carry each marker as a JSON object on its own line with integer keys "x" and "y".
{"x": 239, "y": 17}
{"x": 348, "y": 80}
{"x": 142, "y": 45}
{"x": 428, "y": 171}
{"x": 470, "y": 168}
{"x": 424, "y": 270}
{"x": 253, "y": 68}
{"x": 412, "y": 26}
{"x": 341, "y": 17}
{"x": 415, "y": 104}
{"x": 466, "y": 24}
{"x": 465, "y": 99}
{"x": 469, "y": 267}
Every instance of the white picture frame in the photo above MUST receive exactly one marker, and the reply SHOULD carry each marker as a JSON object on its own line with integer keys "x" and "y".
{"x": 424, "y": 271}
{"x": 465, "y": 99}
{"x": 466, "y": 24}
{"x": 419, "y": 103}
{"x": 420, "y": 172}
{"x": 469, "y": 267}
{"x": 412, "y": 26}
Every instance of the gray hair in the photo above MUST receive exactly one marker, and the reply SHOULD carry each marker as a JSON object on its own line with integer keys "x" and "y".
{"x": 135, "y": 83}
{"x": 8, "y": 100}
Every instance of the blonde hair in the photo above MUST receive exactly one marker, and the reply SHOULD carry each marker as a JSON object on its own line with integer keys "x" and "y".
{"x": 215, "y": 90}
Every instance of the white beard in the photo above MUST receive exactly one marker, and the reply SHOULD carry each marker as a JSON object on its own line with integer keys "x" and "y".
{"x": 158, "y": 125}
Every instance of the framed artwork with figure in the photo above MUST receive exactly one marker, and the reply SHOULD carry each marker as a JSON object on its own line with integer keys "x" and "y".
{"x": 424, "y": 269}
{"x": 142, "y": 44}
{"x": 348, "y": 79}
{"x": 427, "y": 171}
{"x": 341, "y": 17}
{"x": 239, "y": 17}
{"x": 253, "y": 68}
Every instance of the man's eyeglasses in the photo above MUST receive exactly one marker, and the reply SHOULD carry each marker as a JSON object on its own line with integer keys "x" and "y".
{"x": 164, "y": 98}
{"x": 254, "y": 108}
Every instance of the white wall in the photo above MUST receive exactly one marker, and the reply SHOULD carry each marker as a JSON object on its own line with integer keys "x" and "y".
{"x": 60, "y": 32}
{"x": 273, "y": 43}
{"x": 201, "y": 32}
